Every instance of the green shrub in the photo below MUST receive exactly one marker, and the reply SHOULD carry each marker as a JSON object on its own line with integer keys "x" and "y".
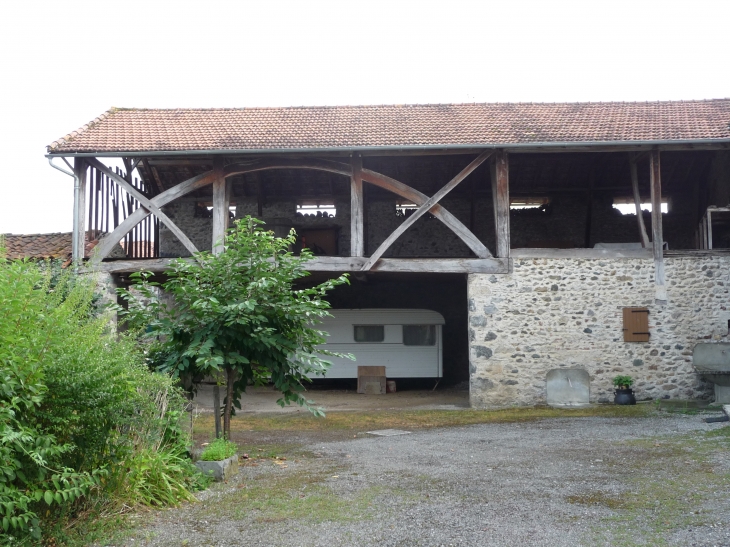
{"x": 623, "y": 382}
{"x": 82, "y": 418}
{"x": 219, "y": 450}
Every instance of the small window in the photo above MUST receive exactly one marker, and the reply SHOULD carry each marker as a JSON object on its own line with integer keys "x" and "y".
{"x": 419, "y": 335}
{"x": 314, "y": 208}
{"x": 404, "y": 208}
{"x": 536, "y": 203}
{"x": 369, "y": 333}
{"x": 626, "y": 206}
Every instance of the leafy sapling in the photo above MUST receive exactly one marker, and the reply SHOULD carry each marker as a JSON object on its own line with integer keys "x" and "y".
{"x": 623, "y": 382}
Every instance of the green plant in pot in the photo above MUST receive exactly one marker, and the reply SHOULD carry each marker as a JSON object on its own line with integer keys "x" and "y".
{"x": 623, "y": 395}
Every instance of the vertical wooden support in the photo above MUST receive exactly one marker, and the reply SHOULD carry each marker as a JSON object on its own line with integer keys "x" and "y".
{"x": 656, "y": 226}
{"x": 500, "y": 200}
{"x": 79, "y": 228}
{"x": 357, "y": 206}
{"x": 221, "y": 201}
{"x": 589, "y": 210}
{"x": 637, "y": 201}
{"x": 709, "y": 229}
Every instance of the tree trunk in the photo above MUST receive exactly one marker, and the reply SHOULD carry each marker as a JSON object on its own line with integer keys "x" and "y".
{"x": 230, "y": 378}
{"x": 217, "y": 410}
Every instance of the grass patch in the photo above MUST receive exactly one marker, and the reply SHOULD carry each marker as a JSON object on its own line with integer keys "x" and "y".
{"x": 671, "y": 483}
{"x": 413, "y": 419}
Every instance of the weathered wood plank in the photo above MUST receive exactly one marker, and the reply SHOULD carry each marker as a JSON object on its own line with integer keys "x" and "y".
{"x": 357, "y": 209}
{"x": 423, "y": 209}
{"x": 637, "y": 200}
{"x": 581, "y": 253}
{"x": 79, "y": 228}
{"x": 419, "y": 198}
{"x": 500, "y": 200}
{"x": 144, "y": 202}
{"x": 657, "y": 237}
{"x": 342, "y": 264}
{"x": 221, "y": 201}
{"x": 338, "y": 168}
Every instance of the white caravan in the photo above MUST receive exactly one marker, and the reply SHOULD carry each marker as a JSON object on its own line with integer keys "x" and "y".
{"x": 408, "y": 343}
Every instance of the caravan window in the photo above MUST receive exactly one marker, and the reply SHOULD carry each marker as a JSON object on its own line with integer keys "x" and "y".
{"x": 419, "y": 335}
{"x": 369, "y": 333}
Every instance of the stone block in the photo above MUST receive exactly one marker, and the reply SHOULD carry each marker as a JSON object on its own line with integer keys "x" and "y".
{"x": 221, "y": 470}
{"x": 568, "y": 387}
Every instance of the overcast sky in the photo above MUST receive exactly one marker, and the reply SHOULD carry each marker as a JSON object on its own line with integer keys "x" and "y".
{"x": 64, "y": 63}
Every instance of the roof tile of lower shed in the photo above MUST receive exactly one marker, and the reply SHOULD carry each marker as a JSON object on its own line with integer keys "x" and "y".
{"x": 140, "y": 130}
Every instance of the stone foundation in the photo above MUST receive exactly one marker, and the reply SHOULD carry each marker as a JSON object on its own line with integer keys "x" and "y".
{"x": 567, "y": 313}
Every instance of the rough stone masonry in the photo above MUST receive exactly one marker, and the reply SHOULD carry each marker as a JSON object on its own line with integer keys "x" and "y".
{"x": 567, "y": 313}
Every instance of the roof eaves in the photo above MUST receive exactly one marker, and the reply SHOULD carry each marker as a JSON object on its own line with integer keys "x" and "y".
{"x": 432, "y": 147}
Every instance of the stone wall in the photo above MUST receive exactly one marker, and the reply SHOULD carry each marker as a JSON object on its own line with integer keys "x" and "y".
{"x": 567, "y": 313}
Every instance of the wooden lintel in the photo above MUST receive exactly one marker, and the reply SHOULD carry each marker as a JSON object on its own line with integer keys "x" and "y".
{"x": 337, "y": 264}
{"x": 657, "y": 237}
{"x": 357, "y": 209}
{"x": 581, "y": 253}
{"x": 500, "y": 200}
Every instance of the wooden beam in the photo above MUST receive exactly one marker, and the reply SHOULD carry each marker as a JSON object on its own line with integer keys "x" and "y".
{"x": 656, "y": 226}
{"x": 581, "y": 253}
{"x": 79, "y": 228}
{"x": 637, "y": 200}
{"x": 342, "y": 264}
{"x": 144, "y": 202}
{"x": 500, "y": 201}
{"x": 357, "y": 208}
{"x": 154, "y": 177}
{"x": 107, "y": 243}
{"x": 423, "y": 209}
{"x": 419, "y": 198}
{"x": 221, "y": 202}
{"x": 589, "y": 207}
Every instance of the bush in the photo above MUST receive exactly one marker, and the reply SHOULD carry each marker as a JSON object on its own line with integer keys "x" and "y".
{"x": 623, "y": 382}
{"x": 219, "y": 450}
{"x": 79, "y": 409}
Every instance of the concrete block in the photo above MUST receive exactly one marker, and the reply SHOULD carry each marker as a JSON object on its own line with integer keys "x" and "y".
{"x": 221, "y": 470}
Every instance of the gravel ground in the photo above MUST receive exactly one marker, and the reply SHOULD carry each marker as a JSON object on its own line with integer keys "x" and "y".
{"x": 558, "y": 482}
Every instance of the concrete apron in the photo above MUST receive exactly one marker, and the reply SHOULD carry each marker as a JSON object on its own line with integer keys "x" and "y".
{"x": 263, "y": 400}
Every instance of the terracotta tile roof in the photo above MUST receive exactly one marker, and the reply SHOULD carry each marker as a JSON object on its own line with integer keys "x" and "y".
{"x": 326, "y": 127}
{"x": 44, "y": 246}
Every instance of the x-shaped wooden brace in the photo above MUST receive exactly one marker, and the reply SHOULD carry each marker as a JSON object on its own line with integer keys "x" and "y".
{"x": 424, "y": 208}
{"x": 144, "y": 202}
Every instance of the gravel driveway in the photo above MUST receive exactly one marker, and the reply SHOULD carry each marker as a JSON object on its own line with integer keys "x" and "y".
{"x": 661, "y": 480}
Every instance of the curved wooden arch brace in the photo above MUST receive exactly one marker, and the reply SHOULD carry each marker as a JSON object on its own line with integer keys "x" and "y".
{"x": 107, "y": 243}
{"x": 419, "y": 198}
{"x": 145, "y": 202}
{"x": 265, "y": 165}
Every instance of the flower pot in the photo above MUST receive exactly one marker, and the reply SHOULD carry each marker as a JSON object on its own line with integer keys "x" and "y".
{"x": 624, "y": 397}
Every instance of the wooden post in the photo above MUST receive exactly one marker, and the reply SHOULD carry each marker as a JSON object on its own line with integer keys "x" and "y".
{"x": 656, "y": 226}
{"x": 500, "y": 200}
{"x": 637, "y": 201}
{"x": 589, "y": 210}
{"x": 79, "y": 229}
{"x": 357, "y": 206}
{"x": 221, "y": 201}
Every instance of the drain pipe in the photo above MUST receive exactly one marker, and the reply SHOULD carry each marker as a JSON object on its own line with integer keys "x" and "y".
{"x": 74, "y": 235}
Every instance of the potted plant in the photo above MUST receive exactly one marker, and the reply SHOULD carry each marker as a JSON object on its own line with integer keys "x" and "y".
{"x": 624, "y": 395}
{"x": 219, "y": 459}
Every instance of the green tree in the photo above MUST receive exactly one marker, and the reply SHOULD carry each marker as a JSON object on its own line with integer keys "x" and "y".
{"x": 239, "y": 314}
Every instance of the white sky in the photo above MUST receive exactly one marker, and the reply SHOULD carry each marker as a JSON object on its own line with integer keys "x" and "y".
{"x": 65, "y": 62}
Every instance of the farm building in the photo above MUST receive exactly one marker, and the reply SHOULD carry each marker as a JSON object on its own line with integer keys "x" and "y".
{"x": 549, "y": 237}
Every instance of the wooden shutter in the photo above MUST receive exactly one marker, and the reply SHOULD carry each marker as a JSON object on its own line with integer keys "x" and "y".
{"x": 636, "y": 325}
